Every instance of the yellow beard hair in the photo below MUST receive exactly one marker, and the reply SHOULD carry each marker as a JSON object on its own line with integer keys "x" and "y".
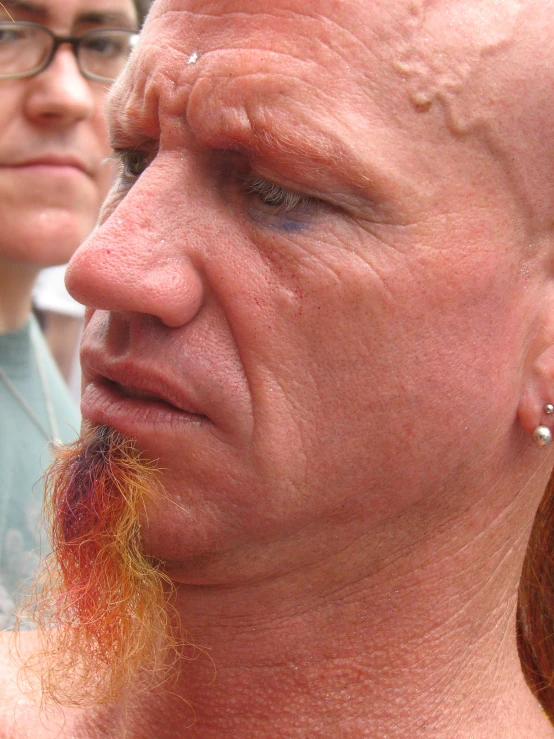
{"x": 103, "y": 606}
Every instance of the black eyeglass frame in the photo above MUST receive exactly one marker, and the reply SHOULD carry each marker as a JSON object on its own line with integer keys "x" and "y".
{"x": 57, "y": 41}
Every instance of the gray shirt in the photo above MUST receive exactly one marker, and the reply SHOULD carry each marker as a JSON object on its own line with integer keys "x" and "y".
{"x": 24, "y": 455}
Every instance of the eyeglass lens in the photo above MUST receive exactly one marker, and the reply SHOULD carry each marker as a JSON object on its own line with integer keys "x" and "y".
{"x": 101, "y": 53}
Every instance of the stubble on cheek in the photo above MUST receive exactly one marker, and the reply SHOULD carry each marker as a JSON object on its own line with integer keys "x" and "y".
{"x": 103, "y": 606}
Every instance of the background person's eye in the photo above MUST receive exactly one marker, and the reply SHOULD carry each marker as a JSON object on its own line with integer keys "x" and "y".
{"x": 10, "y": 36}
{"x": 104, "y": 45}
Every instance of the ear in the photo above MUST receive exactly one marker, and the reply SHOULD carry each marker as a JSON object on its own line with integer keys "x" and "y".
{"x": 537, "y": 392}
{"x": 538, "y": 385}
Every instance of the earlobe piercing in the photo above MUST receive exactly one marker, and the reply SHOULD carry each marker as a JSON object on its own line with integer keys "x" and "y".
{"x": 542, "y": 436}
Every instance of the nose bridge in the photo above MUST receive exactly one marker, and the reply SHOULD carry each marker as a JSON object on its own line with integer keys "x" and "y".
{"x": 65, "y": 60}
{"x": 66, "y": 42}
{"x": 143, "y": 259}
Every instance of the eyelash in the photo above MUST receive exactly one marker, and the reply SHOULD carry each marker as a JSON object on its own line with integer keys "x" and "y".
{"x": 275, "y": 196}
{"x": 278, "y": 200}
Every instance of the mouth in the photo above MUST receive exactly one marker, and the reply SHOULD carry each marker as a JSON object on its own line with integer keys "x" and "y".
{"x": 146, "y": 397}
{"x": 53, "y": 164}
{"x": 134, "y": 392}
{"x": 135, "y": 410}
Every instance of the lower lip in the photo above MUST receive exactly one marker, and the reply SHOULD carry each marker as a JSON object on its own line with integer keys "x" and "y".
{"x": 103, "y": 404}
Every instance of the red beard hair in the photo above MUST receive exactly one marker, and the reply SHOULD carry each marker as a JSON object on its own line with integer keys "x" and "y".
{"x": 103, "y": 606}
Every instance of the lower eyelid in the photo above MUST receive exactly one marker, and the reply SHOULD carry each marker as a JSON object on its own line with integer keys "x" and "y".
{"x": 280, "y": 220}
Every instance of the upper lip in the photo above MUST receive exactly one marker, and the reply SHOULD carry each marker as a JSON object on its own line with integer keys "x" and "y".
{"x": 53, "y": 159}
{"x": 147, "y": 380}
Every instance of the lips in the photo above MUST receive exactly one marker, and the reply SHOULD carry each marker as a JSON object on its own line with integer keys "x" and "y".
{"x": 146, "y": 385}
{"x": 128, "y": 393}
{"x": 60, "y": 160}
{"x": 162, "y": 393}
{"x": 163, "y": 396}
{"x": 133, "y": 392}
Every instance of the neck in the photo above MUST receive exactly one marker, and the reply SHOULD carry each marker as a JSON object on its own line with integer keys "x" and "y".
{"x": 417, "y": 642}
{"x": 16, "y": 287}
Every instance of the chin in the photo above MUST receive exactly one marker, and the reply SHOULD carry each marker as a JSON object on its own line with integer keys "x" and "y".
{"x": 45, "y": 239}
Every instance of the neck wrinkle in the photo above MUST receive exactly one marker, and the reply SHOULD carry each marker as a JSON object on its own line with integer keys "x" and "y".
{"x": 422, "y": 641}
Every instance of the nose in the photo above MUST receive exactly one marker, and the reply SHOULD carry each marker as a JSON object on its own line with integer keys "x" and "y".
{"x": 60, "y": 95}
{"x": 134, "y": 263}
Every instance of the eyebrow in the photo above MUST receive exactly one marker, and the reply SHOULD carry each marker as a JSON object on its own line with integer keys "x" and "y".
{"x": 102, "y": 18}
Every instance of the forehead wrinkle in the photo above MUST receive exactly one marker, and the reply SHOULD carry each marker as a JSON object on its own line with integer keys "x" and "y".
{"x": 170, "y": 90}
{"x": 254, "y": 124}
{"x": 132, "y": 102}
{"x": 182, "y": 37}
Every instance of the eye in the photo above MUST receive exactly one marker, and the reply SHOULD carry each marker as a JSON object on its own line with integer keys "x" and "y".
{"x": 274, "y": 206}
{"x": 132, "y": 163}
{"x": 10, "y": 36}
{"x": 274, "y": 196}
{"x": 109, "y": 45}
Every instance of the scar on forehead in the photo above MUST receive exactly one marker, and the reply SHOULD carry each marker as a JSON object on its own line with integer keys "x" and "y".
{"x": 445, "y": 43}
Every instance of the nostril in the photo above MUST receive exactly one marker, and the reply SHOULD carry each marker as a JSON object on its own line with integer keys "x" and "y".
{"x": 131, "y": 279}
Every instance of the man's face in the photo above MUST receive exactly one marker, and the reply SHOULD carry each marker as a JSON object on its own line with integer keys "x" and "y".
{"x": 307, "y": 293}
{"x": 53, "y": 138}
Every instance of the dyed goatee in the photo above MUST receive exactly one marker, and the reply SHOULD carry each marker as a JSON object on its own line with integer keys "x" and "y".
{"x": 103, "y": 605}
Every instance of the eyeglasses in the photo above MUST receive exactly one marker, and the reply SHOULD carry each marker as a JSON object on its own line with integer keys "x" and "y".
{"x": 28, "y": 48}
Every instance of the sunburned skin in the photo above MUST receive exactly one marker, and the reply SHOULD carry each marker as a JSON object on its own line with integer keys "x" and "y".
{"x": 108, "y": 600}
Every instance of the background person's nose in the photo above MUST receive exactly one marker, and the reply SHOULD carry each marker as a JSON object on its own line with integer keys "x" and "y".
{"x": 60, "y": 94}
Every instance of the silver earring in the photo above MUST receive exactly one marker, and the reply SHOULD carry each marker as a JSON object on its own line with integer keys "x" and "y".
{"x": 542, "y": 436}
{"x": 549, "y": 409}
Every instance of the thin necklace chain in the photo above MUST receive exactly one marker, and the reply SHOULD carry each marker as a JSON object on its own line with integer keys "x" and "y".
{"x": 53, "y": 436}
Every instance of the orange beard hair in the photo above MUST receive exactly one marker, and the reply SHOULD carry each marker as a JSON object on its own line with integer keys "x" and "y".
{"x": 103, "y": 606}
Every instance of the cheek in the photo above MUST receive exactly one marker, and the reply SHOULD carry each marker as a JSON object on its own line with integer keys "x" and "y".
{"x": 366, "y": 372}
{"x": 10, "y": 116}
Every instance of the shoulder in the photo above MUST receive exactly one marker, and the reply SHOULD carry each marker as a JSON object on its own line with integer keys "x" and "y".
{"x": 21, "y": 716}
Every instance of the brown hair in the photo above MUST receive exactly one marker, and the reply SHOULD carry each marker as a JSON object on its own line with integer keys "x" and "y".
{"x": 142, "y": 8}
{"x": 535, "y": 611}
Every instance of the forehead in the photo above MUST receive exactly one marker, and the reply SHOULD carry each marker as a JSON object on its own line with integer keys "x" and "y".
{"x": 364, "y": 73}
{"x": 383, "y": 53}
{"x": 65, "y": 14}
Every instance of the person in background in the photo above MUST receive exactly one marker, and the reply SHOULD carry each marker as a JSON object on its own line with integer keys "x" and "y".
{"x": 58, "y": 58}
{"x": 61, "y": 320}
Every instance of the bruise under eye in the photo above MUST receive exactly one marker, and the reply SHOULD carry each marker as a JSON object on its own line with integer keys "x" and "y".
{"x": 276, "y": 207}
